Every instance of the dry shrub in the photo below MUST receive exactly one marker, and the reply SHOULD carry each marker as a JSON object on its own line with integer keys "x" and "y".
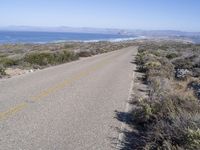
{"x": 169, "y": 119}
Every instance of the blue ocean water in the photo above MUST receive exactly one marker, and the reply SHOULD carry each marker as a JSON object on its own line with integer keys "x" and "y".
{"x": 48, "y": 37}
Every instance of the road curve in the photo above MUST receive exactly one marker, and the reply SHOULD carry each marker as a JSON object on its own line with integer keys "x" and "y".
{"x": 66, "y": 107}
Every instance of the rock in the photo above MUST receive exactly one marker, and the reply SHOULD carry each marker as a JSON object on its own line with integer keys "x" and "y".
{"x": 182, "y": 73}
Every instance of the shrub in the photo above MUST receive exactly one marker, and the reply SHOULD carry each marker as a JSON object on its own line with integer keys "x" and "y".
{"x": 193, "y": 138}
{"x": 8, "y": 62}
{"x": 164, "y": 47}
{"x": 143, "y": 114}
{"x": 183, "y": 64}
{"x": 172, "y": 55}
{"x": 169, "y": 117}
{"x": 162, "y": 122}
{"x": 41, "y": 59}
{"x": 84, "y": 54}
{"x": 47, "y": 58}
{"x": 68, "y": 46}
{"x": 152, "y": 65}
{"x": 65, "y": 56}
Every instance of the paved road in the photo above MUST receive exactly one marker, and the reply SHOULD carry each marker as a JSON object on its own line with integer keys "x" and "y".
{"x": 66, "y": 107}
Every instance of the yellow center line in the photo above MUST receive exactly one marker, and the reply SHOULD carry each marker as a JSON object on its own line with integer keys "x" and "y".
{"x": 54, "y": 89}
{"x": 66, "y": 82}
{"x": 12, "y": 110}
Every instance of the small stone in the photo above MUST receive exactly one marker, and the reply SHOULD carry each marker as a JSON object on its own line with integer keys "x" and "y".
{"x": 182, "y": 73}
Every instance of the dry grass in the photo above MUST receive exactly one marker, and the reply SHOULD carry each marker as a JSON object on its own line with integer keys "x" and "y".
{"x": 169, "y": 119}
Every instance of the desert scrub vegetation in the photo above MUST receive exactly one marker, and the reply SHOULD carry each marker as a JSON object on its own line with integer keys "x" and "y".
{"x": 47, "y": 58}
{"x": 38, "y": 56}
{"x": 7, "y": 62}
{"x": 169, "y": 118}
{"x": 38, "y": 59}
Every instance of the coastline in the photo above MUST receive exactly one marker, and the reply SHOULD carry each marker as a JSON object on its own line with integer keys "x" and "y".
{"x": 32, "y": 37}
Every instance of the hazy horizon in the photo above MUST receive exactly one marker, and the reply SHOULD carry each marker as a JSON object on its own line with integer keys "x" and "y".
{"x": 13, "y": 27}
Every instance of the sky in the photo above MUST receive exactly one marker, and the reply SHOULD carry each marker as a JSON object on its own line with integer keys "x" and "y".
{"x": 124, "y": 14}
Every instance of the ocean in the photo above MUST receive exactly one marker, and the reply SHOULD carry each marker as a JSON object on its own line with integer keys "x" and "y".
{"x": 54, "y": 37}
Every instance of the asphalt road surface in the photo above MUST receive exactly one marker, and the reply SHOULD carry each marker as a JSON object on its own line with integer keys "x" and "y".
{"x": 66, "y": 107}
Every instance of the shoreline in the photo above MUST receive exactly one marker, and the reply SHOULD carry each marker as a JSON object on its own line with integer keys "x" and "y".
{"x": 32, "y": 37}
{"x": 112, "y": 40}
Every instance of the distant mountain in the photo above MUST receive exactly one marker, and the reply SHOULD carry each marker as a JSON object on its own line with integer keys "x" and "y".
{"x": 100, "y": 30}
{"x": 165, "y": 33}
{"x": 63, "y": 29}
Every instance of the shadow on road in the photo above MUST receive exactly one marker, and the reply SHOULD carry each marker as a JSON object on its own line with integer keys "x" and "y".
{"x": 132, "y": 138}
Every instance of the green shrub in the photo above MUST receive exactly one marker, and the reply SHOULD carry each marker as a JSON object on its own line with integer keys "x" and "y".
{"x": 47, "y": 58}
{"x": 172, "y": 55}
{"x": 193, "y": 138}
{"x": 158, "y": 52}
{"x": 152, "y": 65}
{"x": 8, "y": 62}
{"x": 140, "y": 58}
{"x": 41, "y": 59}
{"x": 182, "y": 64}
{"x": 143, "y": 114}
{"x": 64, "y": 56}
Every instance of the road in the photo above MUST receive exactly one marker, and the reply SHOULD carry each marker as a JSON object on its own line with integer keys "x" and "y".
{"x": 66, "y": 107}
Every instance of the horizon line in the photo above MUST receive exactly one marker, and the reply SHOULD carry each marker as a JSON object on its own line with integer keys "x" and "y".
{"x": 103, "y": 28}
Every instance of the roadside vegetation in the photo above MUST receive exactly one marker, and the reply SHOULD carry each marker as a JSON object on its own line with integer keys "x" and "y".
{"x": 169, "y": 117}
{"x": 48, "y": 58}
{"x": 38, "y": 56}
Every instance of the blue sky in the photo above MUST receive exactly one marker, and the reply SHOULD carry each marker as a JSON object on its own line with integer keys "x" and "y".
{"x": 127, "y": 14}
